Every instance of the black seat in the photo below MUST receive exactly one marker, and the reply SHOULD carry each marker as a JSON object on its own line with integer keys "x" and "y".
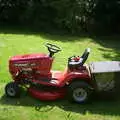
{"x": 81, "y": 61}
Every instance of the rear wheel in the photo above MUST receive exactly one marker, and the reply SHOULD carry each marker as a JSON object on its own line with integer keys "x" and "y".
{"x": 12, "y": 89}
{"x": 79, "y": 92}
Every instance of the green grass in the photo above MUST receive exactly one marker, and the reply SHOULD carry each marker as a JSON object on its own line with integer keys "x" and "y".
{"x": 13, "y": 43}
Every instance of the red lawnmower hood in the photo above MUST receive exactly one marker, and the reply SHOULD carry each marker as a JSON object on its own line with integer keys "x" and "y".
{"x": 28, "y": 57}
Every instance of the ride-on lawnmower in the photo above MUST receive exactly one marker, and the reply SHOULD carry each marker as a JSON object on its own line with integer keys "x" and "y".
{"x": 77, "y": 81}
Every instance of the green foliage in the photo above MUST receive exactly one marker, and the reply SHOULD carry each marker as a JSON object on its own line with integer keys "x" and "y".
{"x": 10, "y": 11}
{"x": 71, "y": 15}
{"x": 107, "y": 14}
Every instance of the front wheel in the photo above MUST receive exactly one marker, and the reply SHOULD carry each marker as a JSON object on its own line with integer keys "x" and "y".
{"x": 12, "y": 89}
{"x": 79, "y": 92}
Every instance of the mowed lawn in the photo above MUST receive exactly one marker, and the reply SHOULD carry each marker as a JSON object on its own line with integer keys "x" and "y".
{"x": 102, "y": 48}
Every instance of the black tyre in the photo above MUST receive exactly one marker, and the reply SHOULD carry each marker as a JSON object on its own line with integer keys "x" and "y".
{"x": 79, "y": 92}
{"x": 12, "y": 89}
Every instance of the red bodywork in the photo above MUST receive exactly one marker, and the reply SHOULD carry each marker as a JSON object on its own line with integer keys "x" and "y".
{"x": 37, "y": 69}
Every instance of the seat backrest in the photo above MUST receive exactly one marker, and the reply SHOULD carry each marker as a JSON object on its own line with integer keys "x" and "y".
{"x": 85, "y": 55}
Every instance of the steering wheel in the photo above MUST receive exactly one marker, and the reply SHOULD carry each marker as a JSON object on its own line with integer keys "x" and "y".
{"x": 52, "y": 49}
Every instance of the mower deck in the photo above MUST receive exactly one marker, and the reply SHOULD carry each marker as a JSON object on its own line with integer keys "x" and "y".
{"x": 47, "y": 95}
{"x": 56, "y": 92}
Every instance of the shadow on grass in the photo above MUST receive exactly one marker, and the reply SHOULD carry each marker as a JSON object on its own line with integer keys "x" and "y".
{"x": 97, "y": 106}
{"x": 51, "y": 35}
{"x": 111, "y": 45}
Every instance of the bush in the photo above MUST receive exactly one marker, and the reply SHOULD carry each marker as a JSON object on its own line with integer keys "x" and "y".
{"x": 71, "y": 15}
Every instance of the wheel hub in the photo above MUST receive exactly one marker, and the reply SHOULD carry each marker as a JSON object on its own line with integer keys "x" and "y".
{"x": 11, "y": 91}
{"x": 79, "y": 94}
